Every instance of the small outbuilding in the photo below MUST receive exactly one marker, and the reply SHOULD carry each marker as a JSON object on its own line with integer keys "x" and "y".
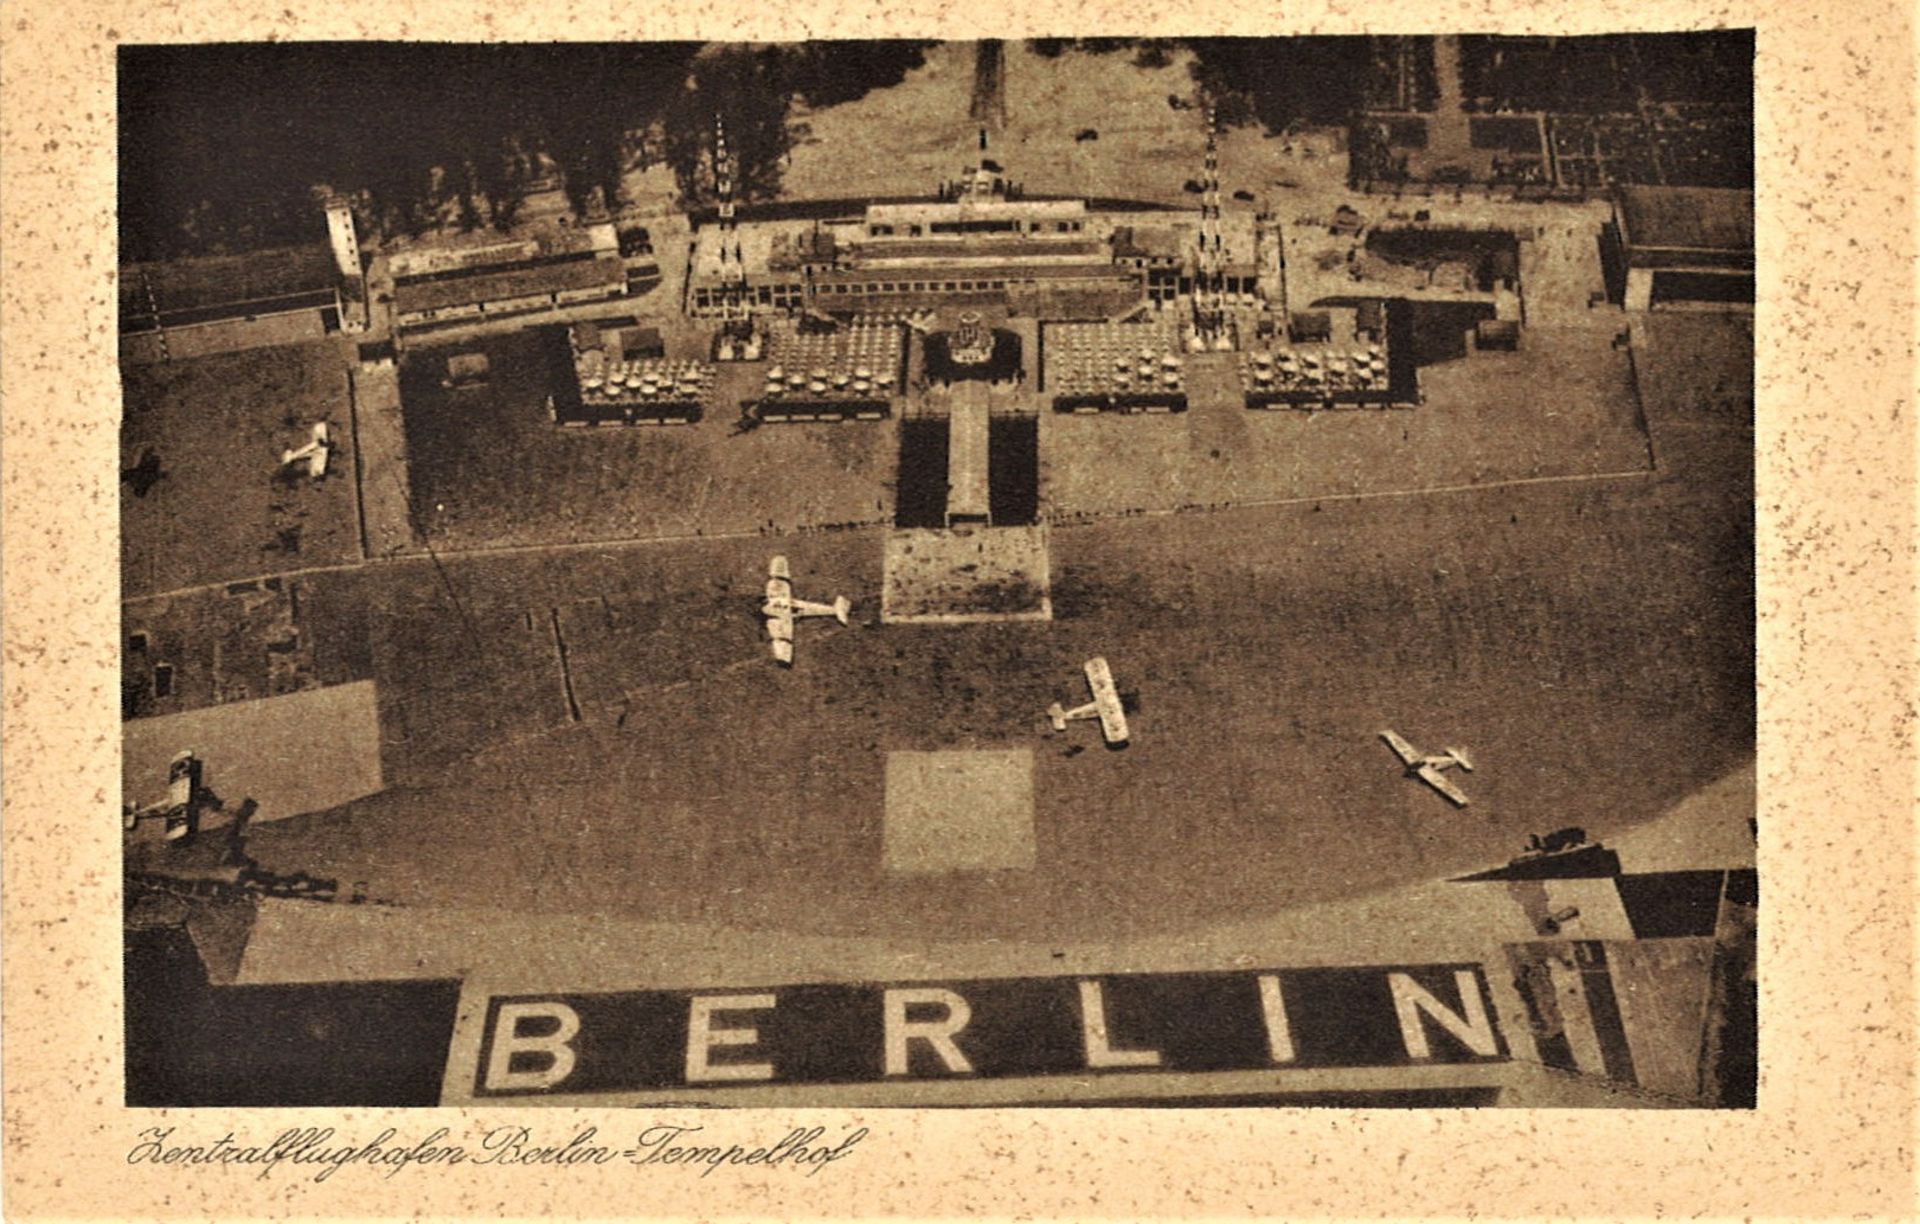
{"x": 1310, "y": 327}
{"x": 1497, "y": 336}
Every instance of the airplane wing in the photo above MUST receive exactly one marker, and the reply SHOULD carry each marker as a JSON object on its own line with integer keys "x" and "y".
{"x": 183, "y": 778}
{"x": 777, "y": 568}
{"x": 1438, "y": 781}
{"x": 1106, "y": 701}
{"x": 1406, "y": 752}
{"x": 780, "y": 631}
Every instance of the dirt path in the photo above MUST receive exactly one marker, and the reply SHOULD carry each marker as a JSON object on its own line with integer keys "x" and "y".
{"x": 989, "y": 104}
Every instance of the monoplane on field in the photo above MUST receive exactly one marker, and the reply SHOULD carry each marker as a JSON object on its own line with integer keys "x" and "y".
{"x": 781, "y": 609}
{"x": 1105, "y": 706}
{"x": 1429, "y": 768}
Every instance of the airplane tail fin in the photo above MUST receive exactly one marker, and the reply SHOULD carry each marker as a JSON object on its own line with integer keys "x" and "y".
{"x": 841, "y": 606}
{"x": 1461, "y": 756}
{"x": 1057, "y": 715}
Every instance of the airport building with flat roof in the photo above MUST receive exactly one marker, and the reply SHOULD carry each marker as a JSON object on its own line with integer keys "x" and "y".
{"x": 1685, "y": 245}
{"x": 440, "y": 285}
{"x": 977, "y": 242}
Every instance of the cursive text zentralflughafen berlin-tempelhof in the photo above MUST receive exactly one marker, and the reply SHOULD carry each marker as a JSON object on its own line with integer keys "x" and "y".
{"x": 320, "y": 1152}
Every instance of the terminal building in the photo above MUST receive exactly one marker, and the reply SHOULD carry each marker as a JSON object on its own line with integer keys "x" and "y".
{"x": 978, "y": 242}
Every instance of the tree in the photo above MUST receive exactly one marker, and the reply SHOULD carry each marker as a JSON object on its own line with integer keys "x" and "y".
{"x": 747, "y": 88}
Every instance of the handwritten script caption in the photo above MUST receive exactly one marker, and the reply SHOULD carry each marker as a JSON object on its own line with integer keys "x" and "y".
{"x": 318, "y": 1152}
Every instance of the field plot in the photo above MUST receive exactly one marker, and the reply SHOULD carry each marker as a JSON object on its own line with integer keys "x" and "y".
{"x": 898, "y": 141}
{"x": 1563, "y": 406}
{"x": 286, "y": 755}
{"x": 490, "y": 468}
{"x": 1267, "y": 647}
{"x": 212, "y": 430}
{"x": 241, "y": 641}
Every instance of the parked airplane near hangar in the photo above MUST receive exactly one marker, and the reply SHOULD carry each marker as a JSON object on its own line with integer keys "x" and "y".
{"x": 180, "y": 808}
{"x": 1429, "y": 768}
{"x": 313, "y": 454}
{"x": 781, "y": 609}
{"x": 1105, "y": 706}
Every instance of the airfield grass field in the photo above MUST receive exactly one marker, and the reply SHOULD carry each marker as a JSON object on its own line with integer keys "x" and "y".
{"x": 489, "y": 468}
{"x": 217, "y": 425}
{"x": 902, "y": 140}
{"x": 1590, "y": 643}
{"x": 1564, "y": 407}
{"x": 578, "y": 713}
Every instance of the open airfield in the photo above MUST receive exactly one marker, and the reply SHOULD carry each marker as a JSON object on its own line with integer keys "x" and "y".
{"x": 519, "y": 717}
{"x": 209, "y": 432}
{"x": 1589, "y": 642}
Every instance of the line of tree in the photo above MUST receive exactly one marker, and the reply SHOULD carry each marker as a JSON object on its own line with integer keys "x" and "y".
{"x": 1275, "y": 82}
{"x": 227, "y": 147}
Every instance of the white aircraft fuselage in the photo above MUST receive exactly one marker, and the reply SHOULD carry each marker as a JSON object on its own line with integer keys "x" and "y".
{"x": 781, "y": 609}
{"x": 1105, "y": 706}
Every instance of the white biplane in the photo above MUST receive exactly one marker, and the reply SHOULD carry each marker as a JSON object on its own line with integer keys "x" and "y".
{"x": 781, "y": 609}
{"x": 1105, "y": 706}
{"x": 181, "y": 806}
{"x": 313, "y": 454}
{"x": 1430, "y": 767}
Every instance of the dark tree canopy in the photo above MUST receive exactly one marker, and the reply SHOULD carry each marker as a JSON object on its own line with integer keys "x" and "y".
{"x": 830, "y": 73}
{"x": 224, "y": 146}
{"x": 1272, "y": 81}
{"x": 1280, "y": 81}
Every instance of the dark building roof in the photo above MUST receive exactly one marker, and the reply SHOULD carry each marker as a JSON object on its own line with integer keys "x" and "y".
{"x": 979, "y": 248}
{"x": 1310, "y": 325}
{"x": 228, "y": 286}
{"x": 1707, "y": 225}
{"x": 1145, "y": 241}
{"x": 503, "y": 286}
{"x": 1497, "y": 334}
{"x": 926, "y": 274}
{"x": 809, "y": 246}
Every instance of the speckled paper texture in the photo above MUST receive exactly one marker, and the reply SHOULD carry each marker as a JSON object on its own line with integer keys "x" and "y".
{"x": 1833, "y": 1132}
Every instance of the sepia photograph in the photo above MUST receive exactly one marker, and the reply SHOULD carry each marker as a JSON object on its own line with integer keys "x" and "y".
{"x": 1094, "y": 572}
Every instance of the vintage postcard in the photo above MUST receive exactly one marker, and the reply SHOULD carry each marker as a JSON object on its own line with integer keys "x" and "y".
{"x": 791, "y": 598}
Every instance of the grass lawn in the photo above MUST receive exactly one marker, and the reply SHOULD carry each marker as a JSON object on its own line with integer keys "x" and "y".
{"x": 216, "y": 426}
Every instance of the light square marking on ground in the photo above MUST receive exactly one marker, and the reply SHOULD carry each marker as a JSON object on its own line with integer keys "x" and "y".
{"x": 959, "y": 811}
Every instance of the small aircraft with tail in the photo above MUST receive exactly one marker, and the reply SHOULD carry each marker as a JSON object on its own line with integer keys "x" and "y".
{"x": 1105, "y": 706}
{"x": 313, "y": 454}
{"x": 1430, "y": 767}
{"x": 180, "y": 809}
{"x": 781, "y": 609}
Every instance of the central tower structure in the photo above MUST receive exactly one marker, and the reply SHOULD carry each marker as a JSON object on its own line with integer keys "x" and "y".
{"x": 1209, "y": 325}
